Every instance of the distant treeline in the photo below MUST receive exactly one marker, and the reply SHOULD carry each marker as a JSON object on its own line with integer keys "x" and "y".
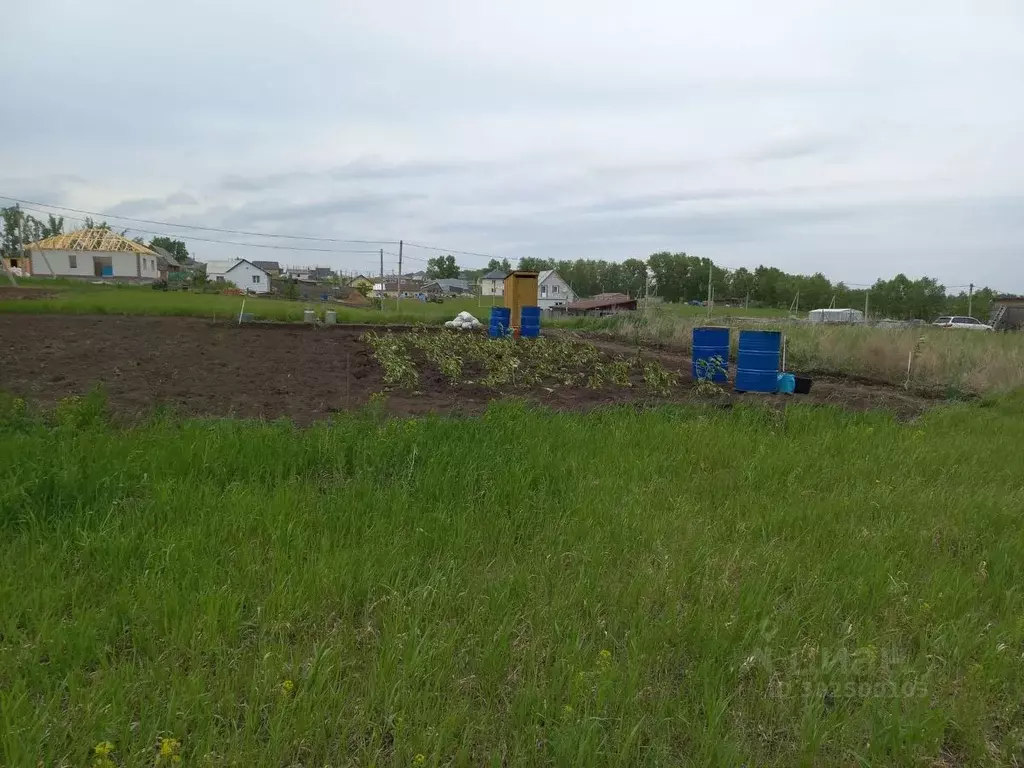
{"x": 679, "y": 277}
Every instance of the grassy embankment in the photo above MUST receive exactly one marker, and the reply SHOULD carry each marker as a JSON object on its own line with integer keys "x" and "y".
{"x": 670, "y": 587}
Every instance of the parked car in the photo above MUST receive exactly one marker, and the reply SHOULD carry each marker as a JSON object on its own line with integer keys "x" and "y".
{"x": 960, "y": 321}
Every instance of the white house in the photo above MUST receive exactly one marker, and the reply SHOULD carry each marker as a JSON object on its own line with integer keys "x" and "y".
{"x": 552, "y": 290}
{"x": 493, "y": 283}
{"x": 93, "y": 253}
{"x": 241, "y": 273}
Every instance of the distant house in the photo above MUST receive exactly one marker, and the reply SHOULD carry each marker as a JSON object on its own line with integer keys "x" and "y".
{"x": 241, "y": 273}
{"x": 444, "y": 286}
{"x": 361, "y": 282}
{"x": 493, "y": 283}
{"x": 417, "y": 277}
{"x": 390, "y": 287}
{"x": 552, "y": 290}
{"x": 322, "y": 273}
{"x": 272, "y": 268}
{"x": 602, "y": 304}
{"x": 166, "y": 264}
{"x": 92, "y": 253}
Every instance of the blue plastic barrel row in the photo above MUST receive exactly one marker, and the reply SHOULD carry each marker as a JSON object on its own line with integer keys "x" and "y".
{"x": 711, "y": 354}
{"x": 757, "y": 364}
{"x": 501, "y": 319}
{"x": 529, "y": 322}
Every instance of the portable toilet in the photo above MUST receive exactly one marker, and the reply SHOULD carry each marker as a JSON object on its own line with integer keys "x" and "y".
{"x": 520, "y": 291}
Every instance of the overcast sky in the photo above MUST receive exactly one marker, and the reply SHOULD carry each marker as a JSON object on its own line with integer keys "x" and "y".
{"x": 857, "y": 139}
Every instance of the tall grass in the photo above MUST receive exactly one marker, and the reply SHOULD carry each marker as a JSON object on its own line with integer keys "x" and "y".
{"x": 671, "y": 587}
{"x": 948, "y": 360}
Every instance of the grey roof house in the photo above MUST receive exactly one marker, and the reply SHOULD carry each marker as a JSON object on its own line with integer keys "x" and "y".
{"x": 447, "y": 285}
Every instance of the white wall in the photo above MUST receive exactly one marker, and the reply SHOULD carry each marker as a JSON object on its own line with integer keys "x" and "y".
{"x": 59, "y": 262}
{"x": 242, "y": 274}
{"x": 124, "y": 264}
{"x": 553, "y": 291}
{"x": 492, "y": 287}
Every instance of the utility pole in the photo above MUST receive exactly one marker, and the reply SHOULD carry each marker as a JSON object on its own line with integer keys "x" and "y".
{"x": 970, "y": 300}
{"x": 711, "y": 276}
{"x": 382, "y": 277}
{"x": 398, "y": 301}
{"x": 867, "y": 296}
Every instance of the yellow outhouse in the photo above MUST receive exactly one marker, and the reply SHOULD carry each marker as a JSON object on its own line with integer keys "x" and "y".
{"x": 520, "y": 291}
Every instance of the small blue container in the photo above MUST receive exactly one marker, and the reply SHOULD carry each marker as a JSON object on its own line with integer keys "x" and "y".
{"x": 709, "y": 343}
{"x": 529, "y": 322}
{"x": 787, "y": 383}
{"x": 757, "y": 365}
{"x": 501, "y": 319}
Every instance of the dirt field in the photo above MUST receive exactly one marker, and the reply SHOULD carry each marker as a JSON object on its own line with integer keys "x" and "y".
{"x": 304, "y": 373}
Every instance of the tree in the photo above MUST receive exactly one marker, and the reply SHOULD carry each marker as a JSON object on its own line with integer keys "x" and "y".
{"x": 530, "y": 264}
{"x": 176, "y": 248}
{"x": 441, "y": 267}
{"x": 10, "y": 239}
{"x": 503, "y": 265}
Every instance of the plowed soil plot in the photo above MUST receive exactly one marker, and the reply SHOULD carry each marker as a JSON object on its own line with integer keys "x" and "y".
{"x": 305, "y": 373}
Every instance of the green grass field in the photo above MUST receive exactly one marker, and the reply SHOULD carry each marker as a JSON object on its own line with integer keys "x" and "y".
{"x": 84, "y": 298}
{"x": 666, "y": 587}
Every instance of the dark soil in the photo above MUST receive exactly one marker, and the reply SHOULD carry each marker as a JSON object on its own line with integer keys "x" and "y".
{"x": 301, "y": 372}
{"x": 8, "y": 292}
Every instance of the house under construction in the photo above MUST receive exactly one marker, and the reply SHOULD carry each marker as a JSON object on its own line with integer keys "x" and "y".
{"x": 91, "y": 253}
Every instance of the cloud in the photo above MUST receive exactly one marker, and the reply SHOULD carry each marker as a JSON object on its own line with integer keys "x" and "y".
{"x": 834, "y": 137}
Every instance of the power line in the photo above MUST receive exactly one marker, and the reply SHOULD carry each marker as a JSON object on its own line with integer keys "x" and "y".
{"x": 453, "y": 251}
{"x": 194, "y": 226}
{"x": 229, "y": 242}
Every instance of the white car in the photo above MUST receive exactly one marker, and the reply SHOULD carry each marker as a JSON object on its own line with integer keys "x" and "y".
{"x": 960, "y": 321}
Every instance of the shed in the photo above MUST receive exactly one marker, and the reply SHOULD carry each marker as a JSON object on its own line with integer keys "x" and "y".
{"x": 520, "y": 291}
{"x": 602, "y": 304}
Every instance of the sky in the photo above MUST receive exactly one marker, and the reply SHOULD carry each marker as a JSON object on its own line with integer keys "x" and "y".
{"x": 855, "y": 139}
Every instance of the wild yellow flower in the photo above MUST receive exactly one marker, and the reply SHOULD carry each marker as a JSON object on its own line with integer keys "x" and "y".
{"x": 168, "y": 751}
{"x": 102, "y": 752}
{"x": 103, "y": 749}
{"x": 420, "y": 759}
{"x": 567, "y": 710}
{"x": 287, "y": 687}
{"x": 604, "y": 659}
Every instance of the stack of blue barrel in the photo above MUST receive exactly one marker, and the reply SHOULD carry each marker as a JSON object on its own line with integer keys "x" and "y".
{"x": 757, "y": 366}
{"x": 711, "y": 354}
{"x": 501, "y": 320}
{"x": 529, "y": 322}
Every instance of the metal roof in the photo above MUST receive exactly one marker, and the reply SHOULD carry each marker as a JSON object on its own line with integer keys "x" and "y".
{"x": 90, "y": 240}
{"x": 602, "y": 300}
{"x": 495, "y": 274}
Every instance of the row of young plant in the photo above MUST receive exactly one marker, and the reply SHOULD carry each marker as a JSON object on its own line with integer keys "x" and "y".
{"x": 511, "y": 362}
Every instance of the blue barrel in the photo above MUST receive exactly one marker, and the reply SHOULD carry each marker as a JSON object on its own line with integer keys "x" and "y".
{"x": 757, "y": 365}
{"x": 708, "y": 344}
{"x": 529, "y": 322}
{"x": 501, "y": 319}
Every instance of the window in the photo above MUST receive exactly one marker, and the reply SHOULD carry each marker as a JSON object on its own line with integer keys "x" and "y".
{"x": 256, "y": 278}
{"x": 942, "y": 321}
{"x": 543, "y": 291}
{"x": 220, "y": 278}
{"x": 554, "y": 288}
{"x": 72, "y": 261}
